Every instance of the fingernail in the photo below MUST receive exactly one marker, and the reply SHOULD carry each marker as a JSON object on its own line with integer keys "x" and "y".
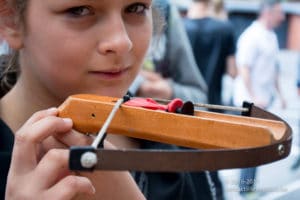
{"x": 68, "y": 121}
{"x": 52, "y": 110}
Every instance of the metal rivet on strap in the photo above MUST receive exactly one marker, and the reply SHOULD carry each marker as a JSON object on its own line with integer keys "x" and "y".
{"x": 281, "y": 149}
{"x": 88, "y": 160}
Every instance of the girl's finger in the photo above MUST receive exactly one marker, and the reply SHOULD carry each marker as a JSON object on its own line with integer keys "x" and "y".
{"x": 74, "y": 138}
{"x": 52, "y": 143}
{"x": 26, "y": 149}
{"x": 71, "y": 186}
{"x": 41, "y": 114}
{"x": 50, "y": 126}
{"x": 52, "y": 167}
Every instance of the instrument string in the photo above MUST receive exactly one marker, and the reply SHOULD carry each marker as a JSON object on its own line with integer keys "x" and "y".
{"x": 101, "y": 134}
{"x": 210, "y": 106}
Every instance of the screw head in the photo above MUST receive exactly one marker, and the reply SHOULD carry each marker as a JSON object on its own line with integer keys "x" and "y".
{"x": 88, "y": 160}
{"x": 281, "y": 150}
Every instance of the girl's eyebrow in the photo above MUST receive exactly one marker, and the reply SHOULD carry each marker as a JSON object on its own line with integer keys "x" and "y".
{"x": 75, "y": 1}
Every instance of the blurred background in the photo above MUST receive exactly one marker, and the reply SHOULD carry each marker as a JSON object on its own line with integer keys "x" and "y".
{"x": 277, "y": 180}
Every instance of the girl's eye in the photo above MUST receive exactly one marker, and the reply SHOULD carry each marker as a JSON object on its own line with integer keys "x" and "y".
{"x": 79, "y": 11}
{"x": 138, "y": 8}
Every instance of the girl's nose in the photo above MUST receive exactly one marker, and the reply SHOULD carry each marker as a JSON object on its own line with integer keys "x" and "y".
{"x": 116, "y": 38}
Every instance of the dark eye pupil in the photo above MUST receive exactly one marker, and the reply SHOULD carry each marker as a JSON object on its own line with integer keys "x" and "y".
{"x": 136, "y": 8}
{"x": 79, "y": 11}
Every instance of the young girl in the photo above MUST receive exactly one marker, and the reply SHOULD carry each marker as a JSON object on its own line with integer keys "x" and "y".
{"x": 65, "y": 47}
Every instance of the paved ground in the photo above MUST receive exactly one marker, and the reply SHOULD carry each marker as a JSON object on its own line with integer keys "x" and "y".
{"x": 276, "y": 180}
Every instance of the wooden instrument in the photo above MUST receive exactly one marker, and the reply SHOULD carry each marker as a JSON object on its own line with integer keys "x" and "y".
{"x": 219, "y": 140}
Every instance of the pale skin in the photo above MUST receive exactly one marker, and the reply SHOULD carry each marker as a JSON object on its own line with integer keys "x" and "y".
{"x": 68, "y": 47}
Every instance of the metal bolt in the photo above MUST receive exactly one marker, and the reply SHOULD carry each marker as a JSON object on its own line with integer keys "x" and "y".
{"x": 281, "y": 149}
{"x": 88, "y": 160}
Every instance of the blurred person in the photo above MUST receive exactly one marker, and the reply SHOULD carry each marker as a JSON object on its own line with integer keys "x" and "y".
{"x": 258, "y": 70}
{"x": 296, "y": 165}
{"x": 170, "y": 71}
{"x": 213, "y": 45}
{"x": 219, "y": 12}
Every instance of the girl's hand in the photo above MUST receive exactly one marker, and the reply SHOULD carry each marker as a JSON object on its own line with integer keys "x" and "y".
{"x": 64, "y": 139}
{"x": 48, "y": 177}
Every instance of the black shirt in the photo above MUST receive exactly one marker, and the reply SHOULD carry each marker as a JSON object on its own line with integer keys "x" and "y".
{"x": 6, "y": 146}
{"x": 212, "y": 42}
{"x": 175, "y": 186}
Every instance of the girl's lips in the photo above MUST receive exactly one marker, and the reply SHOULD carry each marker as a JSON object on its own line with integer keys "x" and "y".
{"x": 113, "y": 74}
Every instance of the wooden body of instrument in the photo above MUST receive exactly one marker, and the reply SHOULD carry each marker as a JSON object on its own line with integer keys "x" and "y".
{"x": 203, "y": 130}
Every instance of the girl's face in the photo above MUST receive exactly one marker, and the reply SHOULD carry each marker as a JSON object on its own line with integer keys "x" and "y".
{"x": 84, "y": 46}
